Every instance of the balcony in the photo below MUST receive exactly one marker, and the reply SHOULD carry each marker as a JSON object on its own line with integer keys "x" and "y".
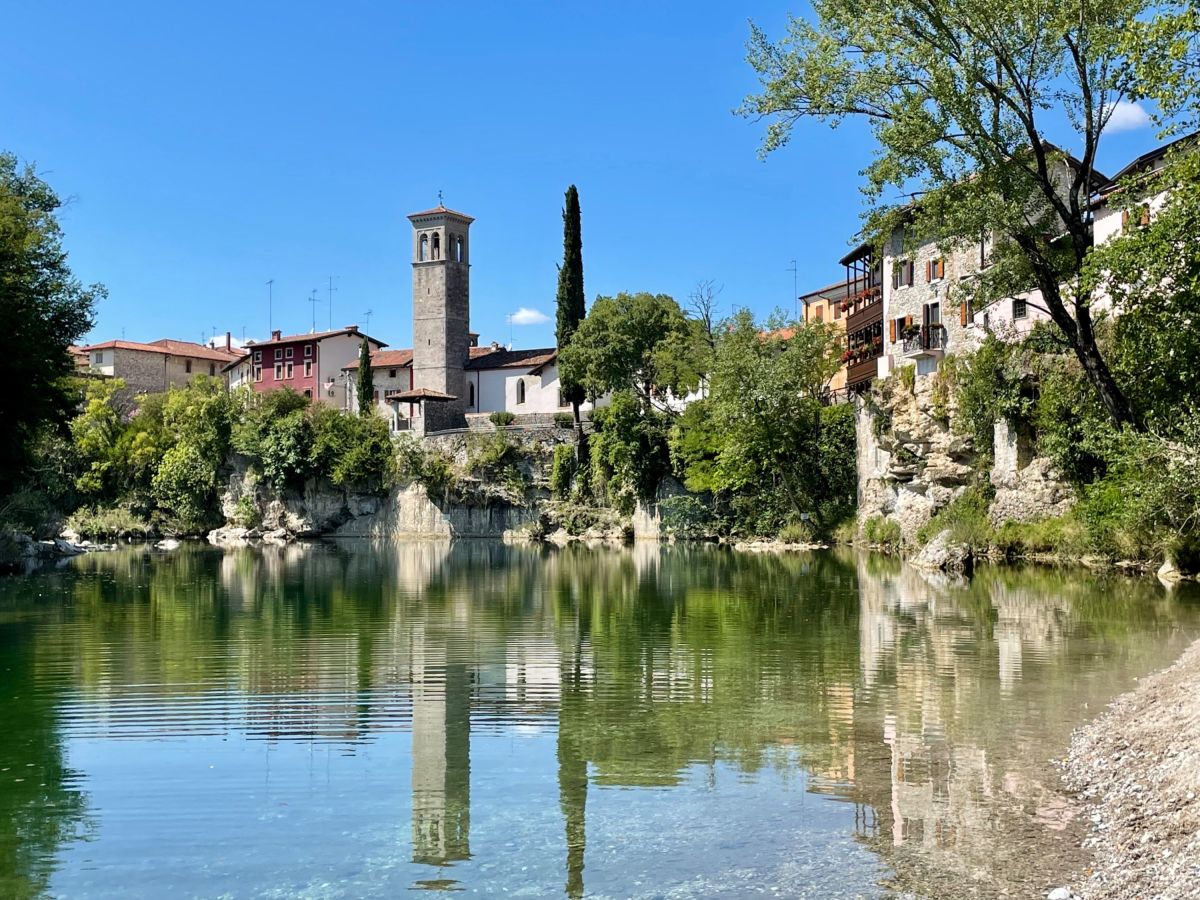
{"x": 929, "y": 340}
{"x": 864, "y": 308}
{"x": 860, "y": 374}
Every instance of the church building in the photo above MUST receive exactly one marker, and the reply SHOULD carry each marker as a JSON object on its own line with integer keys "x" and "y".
{"x": 446, "y": 378}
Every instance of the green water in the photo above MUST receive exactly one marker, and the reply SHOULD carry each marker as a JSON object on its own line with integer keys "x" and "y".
{"x": 660, "y": 722}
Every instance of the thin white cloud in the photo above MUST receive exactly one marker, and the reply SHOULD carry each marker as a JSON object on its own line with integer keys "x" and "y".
{"x": 1126, "y": 115}
{"x": 526, "y": 316}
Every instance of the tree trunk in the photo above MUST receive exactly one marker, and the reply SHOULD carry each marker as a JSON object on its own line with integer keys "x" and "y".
{"x": 1081, "y": 335}
{"x": 581, "y": 441}
{"x": 1099, "y": 374}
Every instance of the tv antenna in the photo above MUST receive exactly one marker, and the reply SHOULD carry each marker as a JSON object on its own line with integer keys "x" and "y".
{"x": 270, "y": 298}
{"x": 367, "y": 315}
{"x": 314, "y": 301}
{"x": 331, "y": 290}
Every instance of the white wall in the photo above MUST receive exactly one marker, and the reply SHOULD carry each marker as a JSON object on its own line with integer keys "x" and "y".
{"x": 332, "y": 354}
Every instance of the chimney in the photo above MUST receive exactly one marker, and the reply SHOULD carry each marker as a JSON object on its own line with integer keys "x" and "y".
{"x": 276, "y": 335}
{"x": 495, "y": 345}
{"x": 352, "y": 328}
{"x": 229, "y": 340}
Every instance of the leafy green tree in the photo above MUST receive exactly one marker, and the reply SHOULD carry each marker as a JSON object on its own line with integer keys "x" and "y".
{"x": 186, "y": 485}
{"x": 1151, "y": 273}
{"x": 571, "y": 305}
{"x": 97, "y": 432}
{"x": 632, "y": 342}
{"x": 959, "y": 95}
{"x": 629, "y": 453}
{"x": 1163, "y": 63}
{"x": 763, "y": 438}
{"x": 366, "y": 381}
{"x": 43, "y": 310}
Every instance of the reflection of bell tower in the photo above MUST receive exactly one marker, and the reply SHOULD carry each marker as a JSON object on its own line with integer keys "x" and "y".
{"x": 441, "y": 314}
{"x": 573, "y": 775}
{"x": 441, "y": 758}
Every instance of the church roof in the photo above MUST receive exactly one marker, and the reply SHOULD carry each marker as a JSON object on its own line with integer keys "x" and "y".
{"x": 441, "y": 211}
{"x": 501, "y": 358}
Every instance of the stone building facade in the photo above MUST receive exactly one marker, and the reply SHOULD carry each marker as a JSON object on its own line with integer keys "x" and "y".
{"x": 151, "y": 368}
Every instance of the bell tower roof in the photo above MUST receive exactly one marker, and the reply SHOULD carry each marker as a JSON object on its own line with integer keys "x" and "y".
{"x": 441, "y": 211}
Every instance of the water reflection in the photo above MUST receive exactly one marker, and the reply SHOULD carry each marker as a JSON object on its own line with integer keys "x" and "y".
{"x": 578, "y": 722}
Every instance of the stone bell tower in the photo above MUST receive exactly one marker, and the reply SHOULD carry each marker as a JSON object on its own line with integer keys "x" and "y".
{"x": 441, "y": 315}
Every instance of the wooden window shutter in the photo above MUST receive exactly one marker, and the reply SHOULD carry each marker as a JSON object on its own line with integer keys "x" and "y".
{"x": 1124, "y": 219}
{"x": 892, "y": 330}
{"x": 962, "y": 314}
{"x": 941, "y": 267}
{"x": 1145, "y": 214}
{"x": 908, "y": 321}
{"x": 929, "y": 270}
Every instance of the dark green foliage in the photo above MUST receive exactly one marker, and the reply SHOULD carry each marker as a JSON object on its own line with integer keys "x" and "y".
{"x": 633, "y": 342}
{"x": 43, "y": 309}
{"x": 571, "y": 304}
{"x": 500, "y": 418}
{"x": 629, "y": 451}
{"x": 366, "y": 381}
{"x": 563, "y": 420}
{"x": 763, "y": 444}
{"x": 563, "y": 467}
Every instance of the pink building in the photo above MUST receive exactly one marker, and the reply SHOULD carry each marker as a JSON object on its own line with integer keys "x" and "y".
{"x": 310, "y": 364}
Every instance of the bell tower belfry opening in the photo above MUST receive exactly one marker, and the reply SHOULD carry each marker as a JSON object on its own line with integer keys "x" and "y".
{"x": 441, "y": 315}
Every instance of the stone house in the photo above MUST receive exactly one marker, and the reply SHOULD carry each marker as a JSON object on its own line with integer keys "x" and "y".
{"x": 150, "y": 368}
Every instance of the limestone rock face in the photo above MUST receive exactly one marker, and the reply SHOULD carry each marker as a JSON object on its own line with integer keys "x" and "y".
{"x": 943, "y": 555}
{"x": 1028, "y": 487}
{"x": 912, "y": 461}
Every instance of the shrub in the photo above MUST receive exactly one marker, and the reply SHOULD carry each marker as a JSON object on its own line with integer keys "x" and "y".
{"x": 883, "y": 532}
{"x": 687, "y": 516}
{"x": 564, "y": 420}
{"x": 796, "y": 533}
{"x": 966, "y": 517}
{"x": 500, "y": 418}
{"x": 108, "y": 523}
{"x": 246, "y": 513}
{"x": 562, "y": 470}
{"x": 186, "y": 486}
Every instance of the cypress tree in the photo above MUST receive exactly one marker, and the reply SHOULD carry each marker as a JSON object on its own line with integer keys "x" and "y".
{"x": 571, "y": 306}
{"x": 366, "y": 381}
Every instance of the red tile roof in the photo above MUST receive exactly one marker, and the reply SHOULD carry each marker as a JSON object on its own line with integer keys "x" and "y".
{"x": 168, "y": 347}
{"x": 385, "y": 359}
{"x": 314, "y": 336}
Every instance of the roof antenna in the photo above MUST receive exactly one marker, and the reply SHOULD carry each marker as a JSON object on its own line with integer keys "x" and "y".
{"x": 367, "y": 315}
{"x": 331, "y": 290}
{"x": 441, "y": 205}
{"x": 314, "y": 301}
{"x": 270, "y": 297}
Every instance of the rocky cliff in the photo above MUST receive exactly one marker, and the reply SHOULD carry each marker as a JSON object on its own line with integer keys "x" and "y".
{"x": 913, "y": 459}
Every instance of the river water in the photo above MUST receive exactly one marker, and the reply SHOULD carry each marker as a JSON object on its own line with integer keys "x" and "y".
{"x": 356, "y": 721}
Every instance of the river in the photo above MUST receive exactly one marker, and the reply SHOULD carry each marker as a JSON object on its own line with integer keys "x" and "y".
{"x": 374, "y": 721}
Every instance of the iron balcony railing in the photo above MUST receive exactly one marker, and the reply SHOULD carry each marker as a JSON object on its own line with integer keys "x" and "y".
{"x": 926, "y": 339}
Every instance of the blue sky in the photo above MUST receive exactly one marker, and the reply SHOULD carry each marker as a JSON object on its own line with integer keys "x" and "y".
{"x": 207, "y": 148}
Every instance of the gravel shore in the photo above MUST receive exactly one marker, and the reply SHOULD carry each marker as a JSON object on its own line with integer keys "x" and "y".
{"x": 1138, "y": 767}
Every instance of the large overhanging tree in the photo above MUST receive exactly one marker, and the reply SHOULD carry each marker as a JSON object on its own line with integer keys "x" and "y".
{"x": 961, "y": 96}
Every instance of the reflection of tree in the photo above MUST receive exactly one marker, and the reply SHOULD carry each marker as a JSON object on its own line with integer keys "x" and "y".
{"x": 41, "y": 807}
{"x": 932, "y": 706}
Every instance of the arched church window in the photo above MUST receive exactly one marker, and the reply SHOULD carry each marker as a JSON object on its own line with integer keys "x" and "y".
{"x": 423, "y": 253}
{"x": 471, "y": 395}
{"x": 437, "y": 246}
{"x": 520, "y": 390}
{"x": 458, "y": 249}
